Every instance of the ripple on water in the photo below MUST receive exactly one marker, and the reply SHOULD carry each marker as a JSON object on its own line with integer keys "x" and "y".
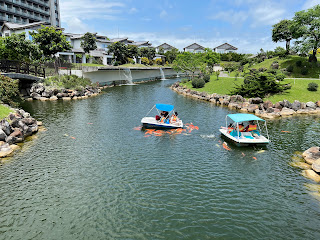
{"x": 104, "y": 180}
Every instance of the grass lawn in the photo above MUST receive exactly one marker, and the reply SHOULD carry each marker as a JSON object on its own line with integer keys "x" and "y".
{"x": 313, "y": 68}
{"x": 221, "y": 86}
{"x": 298, "y": 91}
{"x": 4, "y": 111}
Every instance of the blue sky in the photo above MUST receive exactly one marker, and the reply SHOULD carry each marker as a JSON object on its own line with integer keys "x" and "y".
{"x": 246, "y": 24}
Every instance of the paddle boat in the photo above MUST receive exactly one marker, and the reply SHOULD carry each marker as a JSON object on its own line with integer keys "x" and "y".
{"x": 166, "y": 118}
{"x": 245, "y": 130}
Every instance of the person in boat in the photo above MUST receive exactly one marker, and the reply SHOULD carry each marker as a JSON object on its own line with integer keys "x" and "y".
{"x": 174, "y": 117}
{"x": 230, "y": 128}
{"x": 241, "y": 127}
{"x": 251, "y": 126}
{"x": 164, "y": 117}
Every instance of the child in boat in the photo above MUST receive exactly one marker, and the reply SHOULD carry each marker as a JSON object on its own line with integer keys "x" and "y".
{"x": 251, "y": 126}
{"x": 174, "y": 117}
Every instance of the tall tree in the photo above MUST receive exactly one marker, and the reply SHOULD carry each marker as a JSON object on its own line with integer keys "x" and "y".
{"x": 306, "y": 26}
{"x": 211, "y": 58}
{"x": 188, "y": 62}
{"x": 51, "y": 41}
{"x": 171, "y": 55}
{"x": 88, "y": 42}
{"x": 148, "y": 52}
{"x": 16, "y": 47}
{"x": 283, "y": 31}
{"x": 132, "y": 51}
{"x": 119, "y": 51}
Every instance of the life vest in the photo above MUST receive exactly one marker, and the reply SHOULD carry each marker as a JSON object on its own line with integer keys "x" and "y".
{"x": 162, "y": 120}
{"x": 174, "y": 118}
{"x": 241, "y": 128}
{"x": 230, "y": 129}
{"x": 252, "y": 127}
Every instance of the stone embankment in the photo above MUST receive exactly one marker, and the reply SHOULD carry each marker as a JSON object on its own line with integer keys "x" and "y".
{"x": 264, "y": 109}
{"x": 312, "y": 164}
{"x": 39, "y": 92}
{"x": 14, "y": 129}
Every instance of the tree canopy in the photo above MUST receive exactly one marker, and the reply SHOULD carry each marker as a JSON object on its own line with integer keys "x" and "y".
{"x": 119, "y": 51}
{"x": 283, "y": 31}
{"x": 307, "y": 30}
{"x": 188, "y": 62}
{"x": 147, "y": 52}
{"x": 88, "y": 42}
{"x": 51, "y": 41}
{"x": 16, "y": 47}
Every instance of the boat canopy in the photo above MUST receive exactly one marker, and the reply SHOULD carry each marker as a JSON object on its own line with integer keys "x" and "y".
{"x": 243, "y": 117}
{"x": 164, "y": 107}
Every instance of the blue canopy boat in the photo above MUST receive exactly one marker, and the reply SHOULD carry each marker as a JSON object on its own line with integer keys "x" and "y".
{"x": 245, "y": 130}
{"x": 166, "y": 118}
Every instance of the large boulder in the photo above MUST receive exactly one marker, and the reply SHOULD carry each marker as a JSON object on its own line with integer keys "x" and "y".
{"x": 37, "y": 88}
{"x": 316, "y": 166}
{"x": 5, "y": 126}
{"x": 311, "y": 155}
{"x": 311, "y": 105}
{"x": 268, "y": 104}
{"x": 296, "y": 105}
{"x": 5, "y": 150}
{"x": 312, "y": 175}
{"x": 286, "y": 104}
{"x": 28, "y": 121}
{"x": 256, "y": 100}
{"x": 35, "y": 96}
{"x": 252, "y": 107}
{"x": 278, "y": 105}
{"x": 47, "y": 94}
{"x": 3, "y": 135}
{"x": 287, "y": 112}
{"x": 318, "y": 103}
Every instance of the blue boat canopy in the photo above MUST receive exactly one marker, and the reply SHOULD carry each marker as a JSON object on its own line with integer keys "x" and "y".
{"x": 243, "y": 117}
{"x": 164, "y": 107}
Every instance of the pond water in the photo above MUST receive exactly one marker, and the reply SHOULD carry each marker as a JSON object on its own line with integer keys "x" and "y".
{"x": 92, "y": 176}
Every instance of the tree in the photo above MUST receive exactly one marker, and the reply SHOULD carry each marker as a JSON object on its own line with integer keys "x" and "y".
{"x": 50, "y": 41}
{"x": 119, "y": 51}
{"x": 171, "y": 55}
{"x": 88, "y": 42}
{"x": 211, "y": 58}
{"x": 283, "y": 31}
{"x": 16, "y": 47}
{"x": 147, "y": 52}
{"x": 258, "y": 84}
{"x": 306, "y": 25}
{"x": 188, "y": 63}
{"x": 132, "y": 51}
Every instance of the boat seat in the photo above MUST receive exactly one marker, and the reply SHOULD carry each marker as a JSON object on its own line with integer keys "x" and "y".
{"x": 247, "y": 135}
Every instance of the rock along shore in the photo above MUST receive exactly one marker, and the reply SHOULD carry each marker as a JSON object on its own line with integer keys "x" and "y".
{"x": 312, "y": 161}
{"x": 14, "y": 129}
{"x": 264, "y": 109}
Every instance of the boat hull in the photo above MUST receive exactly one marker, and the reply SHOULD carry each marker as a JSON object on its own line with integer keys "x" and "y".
{"x": 244, "y": 142}
{"x": 150, "y": 122}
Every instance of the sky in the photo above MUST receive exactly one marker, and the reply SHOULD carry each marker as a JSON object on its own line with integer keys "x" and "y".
{"x": 245, "y": 24}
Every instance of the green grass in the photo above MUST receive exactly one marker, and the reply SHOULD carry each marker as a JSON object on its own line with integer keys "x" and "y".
{"x": 142, "y": 66}
{"x": 298, "y": 91}
{"x": 221, "y": 86}
{"x": 4, "y": 111}
{"x": 313, "y": 68}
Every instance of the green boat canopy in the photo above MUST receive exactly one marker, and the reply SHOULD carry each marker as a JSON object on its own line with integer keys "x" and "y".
{"x": 243, "y": 117}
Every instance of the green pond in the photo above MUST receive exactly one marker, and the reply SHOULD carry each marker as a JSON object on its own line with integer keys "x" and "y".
{"x": 91, "y": 175}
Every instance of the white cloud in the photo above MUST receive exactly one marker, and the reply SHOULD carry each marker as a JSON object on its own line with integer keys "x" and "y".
{"x": 310, "y": 3}
{"x": 163, "y": 14}
{"x": 231, "y": 16}
{"x": 133, "y": 10}
{"x": 75, "y": 25}
{"x": 90, "y": 9}
{"x": 267, "y": 14}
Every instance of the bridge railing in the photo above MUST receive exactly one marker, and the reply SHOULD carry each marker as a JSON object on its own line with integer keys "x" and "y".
{"x": 10, "y": 66}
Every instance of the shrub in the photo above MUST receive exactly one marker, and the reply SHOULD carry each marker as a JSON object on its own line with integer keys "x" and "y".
{"x": 67, "y": 81}
{"x": 198, "y": 83}
{"x": 206, "y": 78}
{"x": 145, "y": 61}
{"x": 9, "y": 91}
{"x": 290, "y": 68}
{"x": 280, "y": 76}
{"x": 185, "y": 80}
{"x": 299, "y": 63}
{"x": 130, "y": 60}
{"x": 158, "y": 61}
{"x": 262, "y": 69}
{"x": 313, "y": 86}
{"x": 304, "y": 71}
